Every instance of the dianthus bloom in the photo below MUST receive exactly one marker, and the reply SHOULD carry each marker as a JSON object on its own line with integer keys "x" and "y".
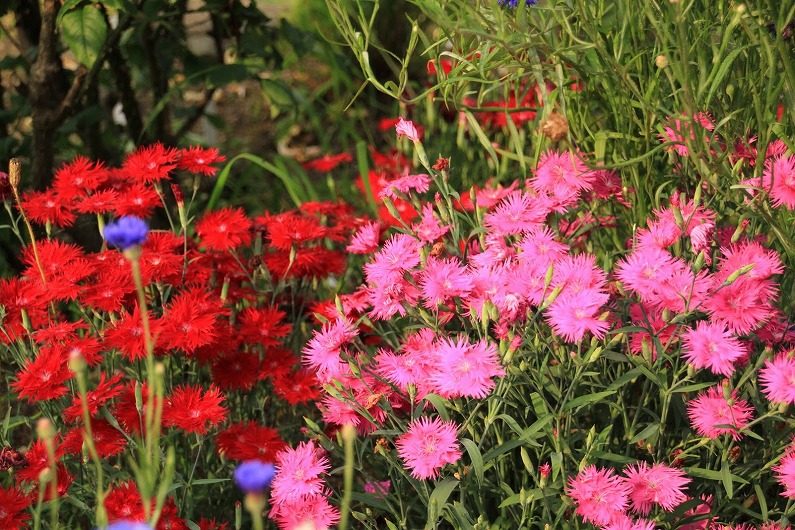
{"x": 627, "y": 523}
{"x": 778, "y": 379}
{"x": 324, "y": 350}
{"x": 464, "y": 369}
{"x": 785, "y": 474}
{"x": 600, "y": 495}
{"x": 573, "y": 314}
{"x": 428, "y": 446}
{"x": 224, "y": 229}
{"x": 655, "y": 484}
{"x": 711, "y": 346}
{"x": 365, "y": 239}
{"x": 442, "y": 280}
{"x": 13, "y": 509}
{"x": 313, "y": 511}
{"x": 779, "y": 178}
{"x": 712, "y": 415}
{"x": 194, "y": 411}
{"x": 420, "y": 183}
{"x": 408, "y": 129}
{"x": 298, "y": 473}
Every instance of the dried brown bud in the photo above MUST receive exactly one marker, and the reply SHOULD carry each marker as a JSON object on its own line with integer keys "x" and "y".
{"x": 11, "y": 459}
{"x": 15, "y": 172}
{"x": 555, "y": 127}
{"x": 441, "y": 164}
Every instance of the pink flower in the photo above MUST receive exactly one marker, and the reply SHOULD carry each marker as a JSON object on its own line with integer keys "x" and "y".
{"x": 705, "y": 508}
{"x": 298, "y": 473}
{"x": 677, "y": 129}
{"x": 323, "y": 351}
{"x": 655, "y": 484}
{"x": 519, "y": 212}
{"x": 380, "y": 488}
{"x": 571, "y": 315}
{"x": 712, "y": 415}
{"x": 645, "y": 269}
{"x": 779, "y": 178}
{"x": 420, "y": 182}
{"x": 627, "y": 523}
{"x": 785, "y": 474}
{"x": 428, "y": 446}
{"x": 390, "y": 298}
{"x": 577, "y": 273}
{"x": 766, "y": 262}
{"x": 778, "y": 379}
{"x": 539, "y": 249}
{"x": 365, "y": 239}
{"x": 562, "y": 175}
{"x": 465, "y": 370}
{"x": 743, "y": 306}
{"x": 442, "y": 280}
{"x": 408, "y": 129}
{"x": 400, "y": 253}
{"x": 600, "y": 495}
{"x": 429, "y": 229}
{"x": 312, "y": 511}
{"x": 711, "y": 346}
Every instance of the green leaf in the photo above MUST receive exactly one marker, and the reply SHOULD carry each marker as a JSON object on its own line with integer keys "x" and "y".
{"x": 484, "y": 141}
{"x": 438, "y": 500}
{"x": 646, "y": 433}
{"x": 84, "y": 30}
{"x": 205, "y": 481}
{"x": 726, "y": 477}
{"x": 587, "y": 399}
{"x": 692, "y": 388}
{"x": 760, "y": 496}
{"x": 67, "y": 6}
{"x": 439, "y": 403}
{"x": 475, "y": 457}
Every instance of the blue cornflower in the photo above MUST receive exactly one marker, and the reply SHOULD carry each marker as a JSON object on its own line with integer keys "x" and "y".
{"x": 126, "y": 232}
{"x": 128, "y": 525}
{"x": 253, "y": 476}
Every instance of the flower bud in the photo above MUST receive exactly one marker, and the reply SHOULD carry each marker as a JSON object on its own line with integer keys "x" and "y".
{"x": 661, "y": 61}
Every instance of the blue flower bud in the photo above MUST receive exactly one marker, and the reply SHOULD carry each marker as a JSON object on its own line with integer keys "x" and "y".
{"x": 126, "y": 232}
{"x": 253, "y": 476}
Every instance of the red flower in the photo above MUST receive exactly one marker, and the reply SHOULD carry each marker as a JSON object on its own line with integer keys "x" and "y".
{"x": 98, "y": 202}
{"x": 124, "y": 502}
{"x": 194, "y": 411}
{"x": 278, "y": 362}
{"x": 13, "y": 509}
{"x": 37, "y": 461}
{"x": 211, "y": 524}
{"x": 43, "y": 378}
{"x": 264, "y": 326}
{"x": 107, "y": 440}
{"x": 298, "y": 387}
{"x": 127, "y": 335}
{"x": 137, "y": 199}
{"x": 225, "y": 229}
{"x": 199, "y": 160}
{"x": 162, "y": 258}
{"x": 326, "y": 163}
{"x": 236, "y": 370}
{"x": 125, "y": 410}
{"x": 107, "y": 291}
{"x": 151, "y": 163}
{"x": 249, "y": 441}
{"x": 48, "y": 207}
{"x": 106, "y": 390}
{"x": 289, "y": 229}
{"x": 78, "y": 177}
{"x": 190, "y": 320}
{"x": 169, "y": 518}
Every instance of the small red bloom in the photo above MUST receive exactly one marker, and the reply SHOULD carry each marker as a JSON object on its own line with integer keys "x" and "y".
{"x": 48, "y": 207}
{"x": 200, "y": 160}
{"x": 13, "y": 509}
{"x": 263, "y": 325}
{"x": 192, "y": 410}
{"x": 105, "y": 390}
{"x": 151, "y": 163}
{"x": 224, "y": 229}
{"x": 43, "y": 378}
{"x": 236, "y": 370}
{"x": 249, "y": 441}
{"x": 124, "y": 503}
{"x": 327, "y": 163}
